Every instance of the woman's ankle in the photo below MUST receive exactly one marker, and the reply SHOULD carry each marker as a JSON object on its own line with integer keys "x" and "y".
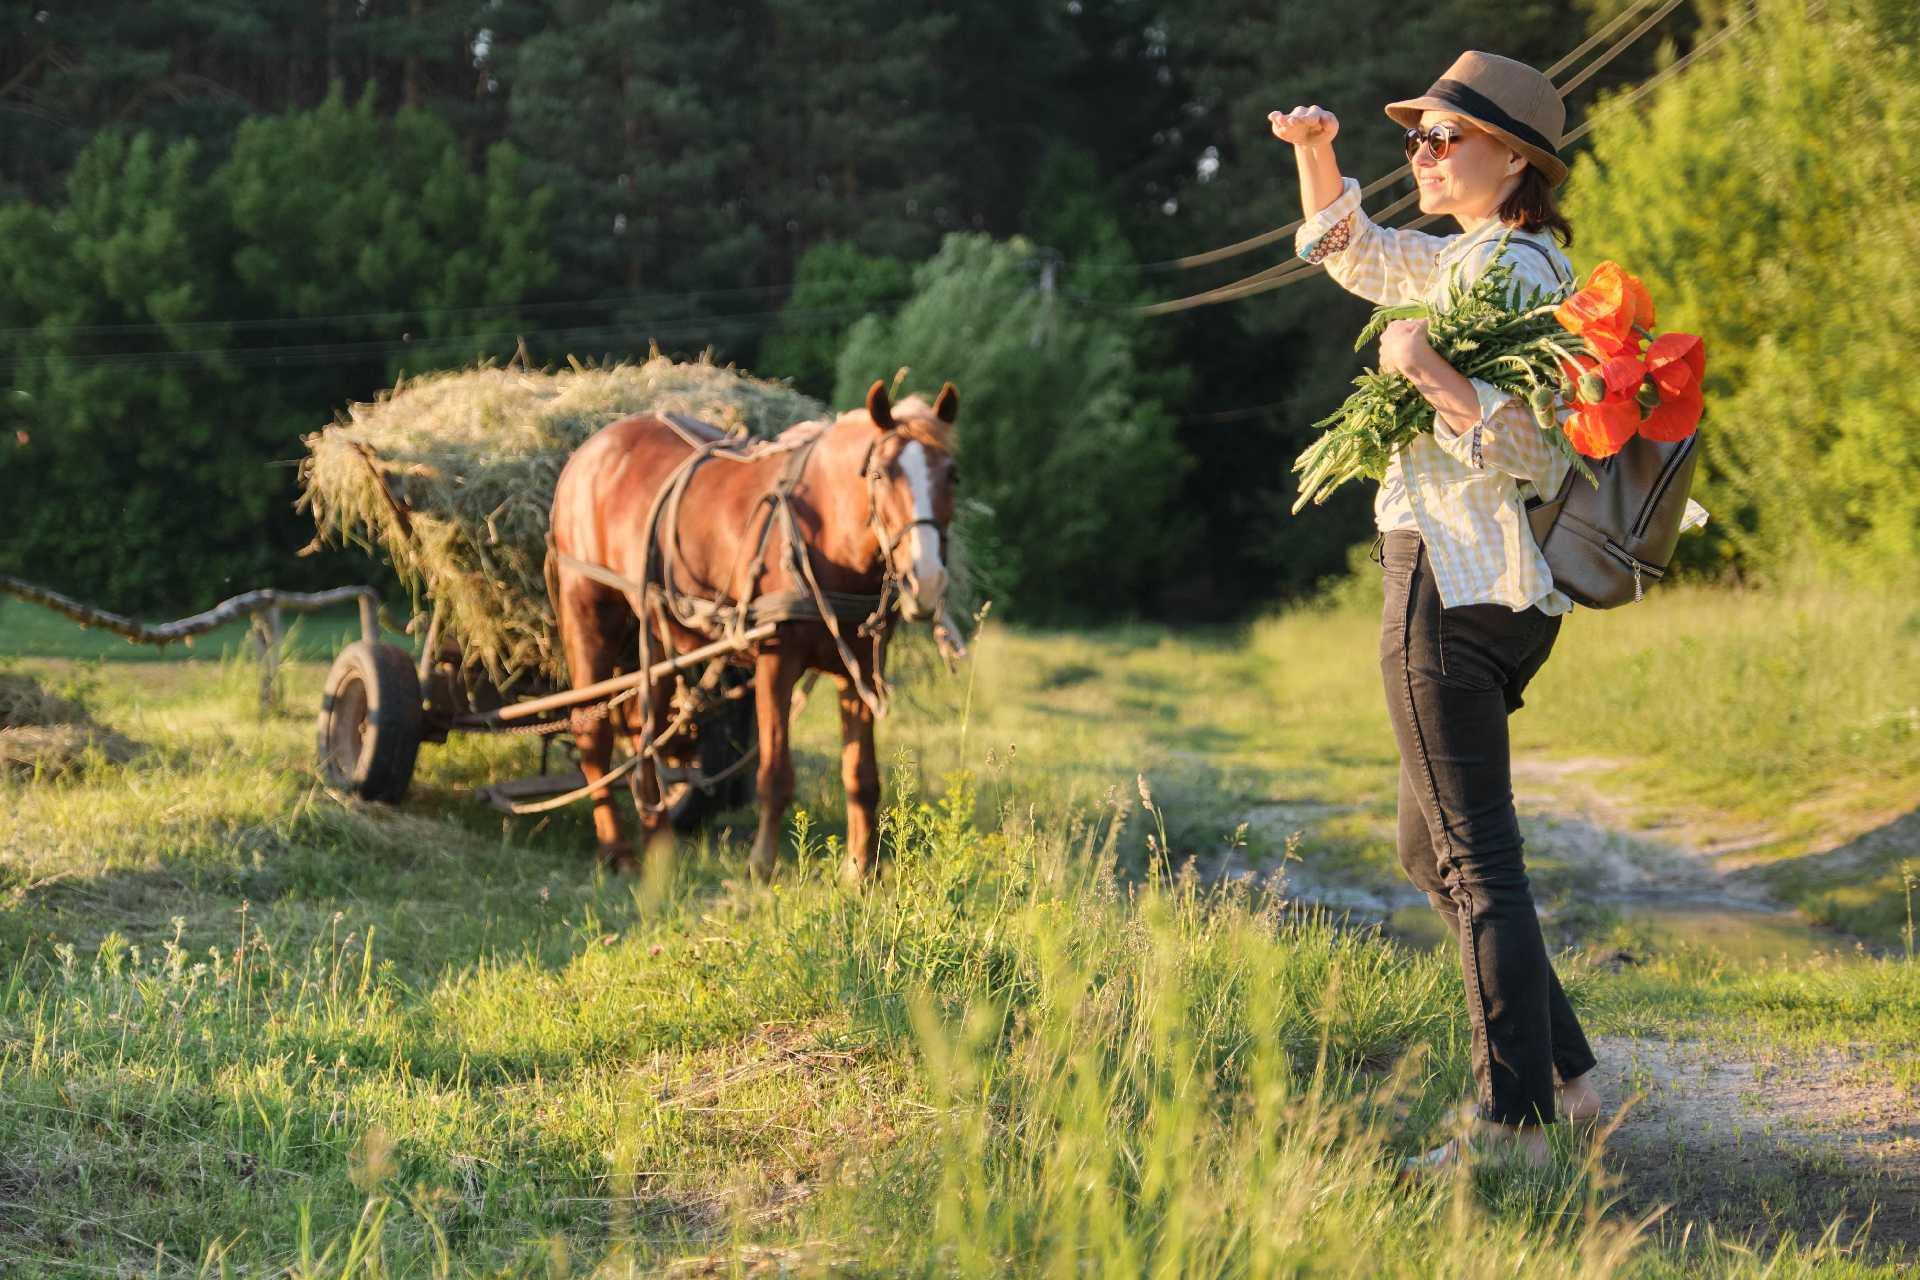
{"x": 1530, "y": 1137}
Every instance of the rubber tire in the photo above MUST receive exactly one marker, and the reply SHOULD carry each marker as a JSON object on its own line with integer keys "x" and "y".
{"x": 372, "y": 696}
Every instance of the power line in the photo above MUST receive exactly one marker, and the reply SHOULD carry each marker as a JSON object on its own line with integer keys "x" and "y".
{"x": 324, "y": 352}
{"x": 389, "y": 317}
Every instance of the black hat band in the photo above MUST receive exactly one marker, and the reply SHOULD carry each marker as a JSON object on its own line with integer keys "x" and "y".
{"x": 1477, "y": 104}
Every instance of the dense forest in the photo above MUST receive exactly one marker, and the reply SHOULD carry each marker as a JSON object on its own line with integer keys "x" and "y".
{"x": 223, "y": 220}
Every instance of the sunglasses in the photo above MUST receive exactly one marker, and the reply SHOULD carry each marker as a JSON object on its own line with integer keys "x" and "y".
{"x": 1438, "y": 139}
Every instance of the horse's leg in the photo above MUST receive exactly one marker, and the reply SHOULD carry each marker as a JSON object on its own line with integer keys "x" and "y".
{"x": 860, "y": 772}
{"x": 656, "y": 829}
{"x": 583, "y": 617}
{"x": 774, "y": 673}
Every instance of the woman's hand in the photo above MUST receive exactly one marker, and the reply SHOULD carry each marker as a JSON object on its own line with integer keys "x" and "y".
{"x": 1404, "y": 348}
{"x": 1304, "y": 126}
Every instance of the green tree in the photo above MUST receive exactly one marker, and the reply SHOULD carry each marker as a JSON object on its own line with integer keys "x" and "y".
{"x": 171, "y": 336}
{"x": 115, "y": 468}
{"x": 634, "y": 114}
{"x": 1070, "y": 458}
{"x": 1781, "y": 257}
{"x": 834, "y": 286}
{"x": 199, "y": 68}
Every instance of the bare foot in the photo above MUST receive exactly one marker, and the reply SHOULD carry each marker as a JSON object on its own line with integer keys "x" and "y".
{"x": 1578, "y": 1100}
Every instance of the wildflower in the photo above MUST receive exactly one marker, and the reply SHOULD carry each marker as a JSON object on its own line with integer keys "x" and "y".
{"x": 1606, "y": 413}
{"x": 1608, "y": 311}
{"x": 1675, "y": 364}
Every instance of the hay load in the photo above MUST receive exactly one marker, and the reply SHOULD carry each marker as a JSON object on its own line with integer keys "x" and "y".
{"x": 470, "y": 459}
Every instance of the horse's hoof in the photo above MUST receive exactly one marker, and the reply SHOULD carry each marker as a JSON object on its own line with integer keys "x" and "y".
{"x": 618, "y": 858}
{"x": 760, "y": 867}
{"x": 854, "y": 876}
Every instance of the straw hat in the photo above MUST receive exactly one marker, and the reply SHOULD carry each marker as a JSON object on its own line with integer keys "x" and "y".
{"x": 1508, "y": 99}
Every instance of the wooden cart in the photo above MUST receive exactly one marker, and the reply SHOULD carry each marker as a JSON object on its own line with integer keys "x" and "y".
{"x": 380, "y": 703}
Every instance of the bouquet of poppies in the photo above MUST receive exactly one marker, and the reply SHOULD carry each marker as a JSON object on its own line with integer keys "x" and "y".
{"x": 1584, "y": 352}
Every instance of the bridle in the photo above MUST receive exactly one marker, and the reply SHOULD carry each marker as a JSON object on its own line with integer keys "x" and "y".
{"x": 875, "y": 476}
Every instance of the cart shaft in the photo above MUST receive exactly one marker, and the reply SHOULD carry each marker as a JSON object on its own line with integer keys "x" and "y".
{"x": 616, "y": 684}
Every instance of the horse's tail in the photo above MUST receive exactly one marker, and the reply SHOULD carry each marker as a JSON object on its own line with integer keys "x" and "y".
{"x": 551, "y": 571}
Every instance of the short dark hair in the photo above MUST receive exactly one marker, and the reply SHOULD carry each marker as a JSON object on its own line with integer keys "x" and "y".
{"x": 1530, "y": 206}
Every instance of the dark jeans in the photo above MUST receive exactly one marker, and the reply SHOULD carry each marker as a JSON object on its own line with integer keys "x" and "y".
{"x": 1452, "y": 678}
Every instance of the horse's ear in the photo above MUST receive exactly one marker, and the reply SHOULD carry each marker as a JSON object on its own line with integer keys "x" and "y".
{"x": 878, "y": 406}
{"x": 946, "y": 405}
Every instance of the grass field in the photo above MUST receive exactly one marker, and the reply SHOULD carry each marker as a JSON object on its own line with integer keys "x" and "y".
{"x": 247, "y": 1028}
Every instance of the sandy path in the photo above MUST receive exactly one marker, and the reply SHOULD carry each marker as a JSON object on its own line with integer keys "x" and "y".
{"x": 1756, "y": 1142}
{"x": 1747, "y": 1138}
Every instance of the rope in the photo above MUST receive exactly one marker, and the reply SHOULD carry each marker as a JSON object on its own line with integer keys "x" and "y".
{"x": 1295, "y": 271}
{"x": 607, "y": 779}
{"x": 1279, "y": 233}
{"x": 649, "y": 750}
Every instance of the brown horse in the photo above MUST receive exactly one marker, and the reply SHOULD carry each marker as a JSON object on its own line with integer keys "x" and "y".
{"x": 867, "y": 502}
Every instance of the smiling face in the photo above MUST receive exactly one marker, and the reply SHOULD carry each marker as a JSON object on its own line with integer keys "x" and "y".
{"x": 1476, "y": 176}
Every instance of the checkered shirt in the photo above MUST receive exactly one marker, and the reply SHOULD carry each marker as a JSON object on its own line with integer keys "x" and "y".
{"x": 1464, "y": 491}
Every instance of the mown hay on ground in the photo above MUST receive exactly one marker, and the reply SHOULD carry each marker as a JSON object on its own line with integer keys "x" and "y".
{"x": 45, "y": 734}
{"x": 474, "y": 455}
{"x": 24, "y": 703}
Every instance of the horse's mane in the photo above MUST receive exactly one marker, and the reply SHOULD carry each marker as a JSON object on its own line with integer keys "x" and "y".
{"x": 913, "y": 418}
{"x": 801, "y": 432}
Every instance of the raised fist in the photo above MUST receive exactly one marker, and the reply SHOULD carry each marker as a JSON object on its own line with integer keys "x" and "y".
{"x": 1304, "y": 126}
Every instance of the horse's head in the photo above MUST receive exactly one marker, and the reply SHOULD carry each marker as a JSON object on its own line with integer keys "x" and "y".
{"x": 910, "y": 477}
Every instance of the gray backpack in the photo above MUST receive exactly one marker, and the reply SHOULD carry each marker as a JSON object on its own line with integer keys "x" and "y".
{"x": 1604, "y": 545}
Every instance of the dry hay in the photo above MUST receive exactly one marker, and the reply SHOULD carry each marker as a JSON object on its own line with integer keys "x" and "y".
{"x": 474, "y": 455}
{"x": 46, "y": 735}
{"x": 24, "y": 704}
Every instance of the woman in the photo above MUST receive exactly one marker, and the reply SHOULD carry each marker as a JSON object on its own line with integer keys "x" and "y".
{"x": 1471, "y": 611}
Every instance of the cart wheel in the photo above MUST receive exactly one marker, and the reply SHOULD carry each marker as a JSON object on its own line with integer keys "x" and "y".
{"x": 370, "y": 716}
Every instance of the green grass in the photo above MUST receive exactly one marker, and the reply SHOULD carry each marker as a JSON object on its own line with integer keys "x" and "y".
{"x": 246, "y": 1026}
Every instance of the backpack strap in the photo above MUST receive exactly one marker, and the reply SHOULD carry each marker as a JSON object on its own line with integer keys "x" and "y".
{"x": 1553, "y": 264}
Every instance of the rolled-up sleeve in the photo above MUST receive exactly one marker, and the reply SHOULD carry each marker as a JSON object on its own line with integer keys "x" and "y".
{"x": 1506, "y": 438}
{"x": 1381, "y": 264}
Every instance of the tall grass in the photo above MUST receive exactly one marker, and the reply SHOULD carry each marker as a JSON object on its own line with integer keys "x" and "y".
{"x": 248, "y": 1029}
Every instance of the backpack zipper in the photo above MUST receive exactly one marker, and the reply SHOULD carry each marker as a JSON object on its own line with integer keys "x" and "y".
{"x": 1638, "y": 566}
{"x": 1660, "y": 490}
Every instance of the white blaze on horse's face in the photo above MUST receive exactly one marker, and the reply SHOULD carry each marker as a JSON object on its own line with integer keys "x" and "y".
{"x": 926, "y": 580}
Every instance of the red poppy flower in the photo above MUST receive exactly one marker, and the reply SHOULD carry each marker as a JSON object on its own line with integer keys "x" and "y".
{"x": 1608, "y": 310}
{"x": 1599, "y": 427}
{"x": 1675, "y": 362}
